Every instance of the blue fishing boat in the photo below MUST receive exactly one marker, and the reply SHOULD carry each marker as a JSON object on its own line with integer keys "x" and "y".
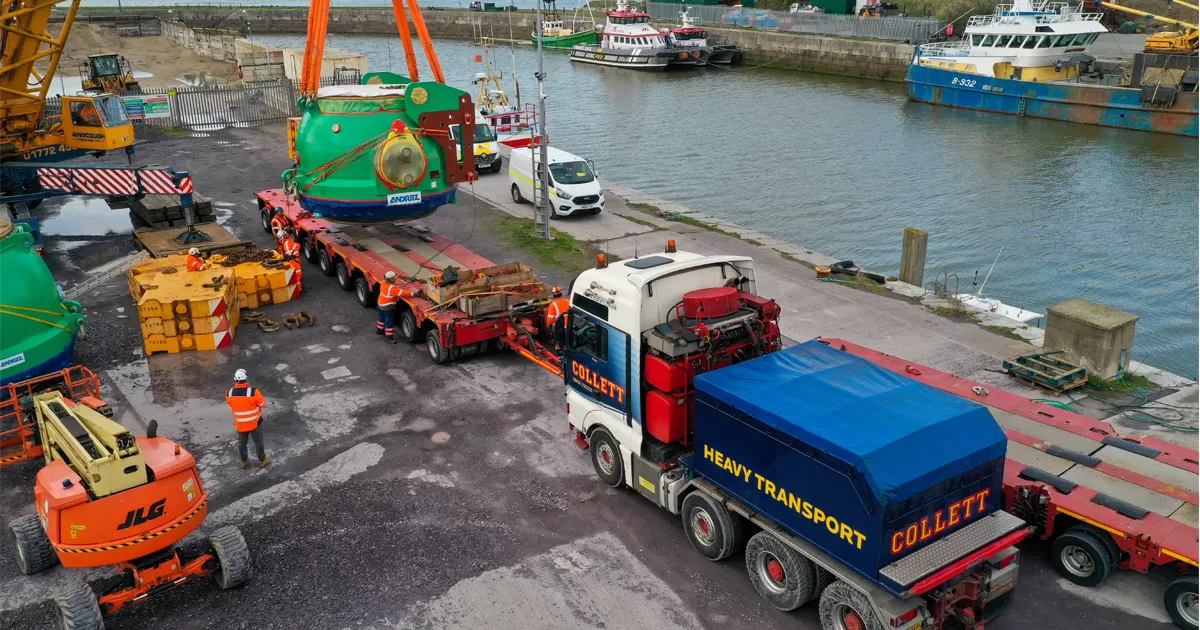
{"x": 1031, "y": 60}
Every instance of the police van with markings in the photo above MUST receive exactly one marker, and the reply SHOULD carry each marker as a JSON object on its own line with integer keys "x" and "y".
{"x": 845, "y": 484}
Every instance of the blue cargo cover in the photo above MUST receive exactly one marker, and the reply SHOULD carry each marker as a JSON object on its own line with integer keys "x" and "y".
{"x": 904, "y": 436}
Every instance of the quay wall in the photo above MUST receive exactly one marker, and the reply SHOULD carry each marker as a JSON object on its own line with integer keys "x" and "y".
{"x": 811, "y": 53}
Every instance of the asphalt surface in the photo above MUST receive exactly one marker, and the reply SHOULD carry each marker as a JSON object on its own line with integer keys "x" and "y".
{"x": 404, "y": 494}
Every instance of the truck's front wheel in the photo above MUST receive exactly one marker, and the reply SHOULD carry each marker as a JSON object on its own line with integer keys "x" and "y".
{"x": 784, "y": 577}
{"x": 712, "y": 530}
{"x": 606, "y": 459}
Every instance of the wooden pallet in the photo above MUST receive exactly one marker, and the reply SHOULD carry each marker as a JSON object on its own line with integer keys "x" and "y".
{"x": 1044, "y": 370}
{"x": 161, "y": 241}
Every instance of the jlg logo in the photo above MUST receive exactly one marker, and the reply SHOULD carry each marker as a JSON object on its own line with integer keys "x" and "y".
{"x": 143, "y": 514}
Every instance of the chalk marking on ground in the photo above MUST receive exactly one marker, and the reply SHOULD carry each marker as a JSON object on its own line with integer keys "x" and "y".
{"x": 340, "y": 371}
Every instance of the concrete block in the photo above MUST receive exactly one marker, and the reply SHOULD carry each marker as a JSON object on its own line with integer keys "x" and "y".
{"x": 1091, "y": 335}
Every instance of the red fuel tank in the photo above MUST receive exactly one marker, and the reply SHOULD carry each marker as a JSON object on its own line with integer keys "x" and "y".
{"x": 666, "y": 416}
{"x": 669, "y": 377}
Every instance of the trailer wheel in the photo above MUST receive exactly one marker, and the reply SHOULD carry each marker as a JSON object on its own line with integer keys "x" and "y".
{"x": 343, "y": 276}
{"x": 711, "y": 529}
{"x": 1080, "y": 556}
{"x": 438, "y": 354}
{"x": 1182, "y": 601}
{"x": 606, "y": 459}
{"x": 325, "y": 263}
{"x": 307, "y": 250}
{"x": 844, "y": 607}
{"x": 780, "y": 574}
{"x": 78, "y": 609}
{"x": 34, "y": 552}
{"x": 362, "y": 290}
{"x": 233, "y": 556}
{"x": 410, "y": 330}
{"x": 264, "y": 217}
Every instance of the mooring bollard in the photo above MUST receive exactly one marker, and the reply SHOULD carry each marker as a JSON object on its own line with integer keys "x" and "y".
{"x": 912, "y": 256}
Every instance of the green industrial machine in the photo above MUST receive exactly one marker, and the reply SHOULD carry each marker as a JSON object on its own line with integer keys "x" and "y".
{"x": 37, "y": 327}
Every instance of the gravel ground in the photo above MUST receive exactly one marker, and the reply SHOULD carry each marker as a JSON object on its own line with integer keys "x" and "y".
{"x": 402, "y": 494}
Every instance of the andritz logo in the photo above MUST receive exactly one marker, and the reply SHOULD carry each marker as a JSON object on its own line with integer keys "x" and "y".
{"x": 404, "y": 199}
{"x": 16, "y": 359}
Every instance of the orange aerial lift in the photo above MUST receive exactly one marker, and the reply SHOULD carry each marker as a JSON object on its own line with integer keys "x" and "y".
{"x": 107, "y": 497}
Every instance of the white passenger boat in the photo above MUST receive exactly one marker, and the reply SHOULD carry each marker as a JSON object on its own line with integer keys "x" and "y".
{"x": 628, "y": 41}
{"x": 688, "y": 35}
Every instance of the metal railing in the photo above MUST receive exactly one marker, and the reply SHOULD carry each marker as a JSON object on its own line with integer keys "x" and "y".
{"x": 893, "y": 28}
{"x": 215, "y": 107}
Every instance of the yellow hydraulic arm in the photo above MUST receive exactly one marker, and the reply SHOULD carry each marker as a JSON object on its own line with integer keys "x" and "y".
{"x": 102, "y": 452}
{"x": 88, "y": 123}
{"x": 1173, "y": 42}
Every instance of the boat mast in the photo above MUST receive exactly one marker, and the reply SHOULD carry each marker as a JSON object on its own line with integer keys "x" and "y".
{"x": 543, "y": 202}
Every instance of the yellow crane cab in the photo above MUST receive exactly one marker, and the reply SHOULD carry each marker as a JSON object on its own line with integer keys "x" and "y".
{"x": 96, "y": 122}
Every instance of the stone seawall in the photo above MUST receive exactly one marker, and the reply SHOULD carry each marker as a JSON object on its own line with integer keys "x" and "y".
{"x": 812, "y": 53}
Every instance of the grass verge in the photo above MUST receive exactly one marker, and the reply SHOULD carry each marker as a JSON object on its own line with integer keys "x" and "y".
{"x": 562, "y": 252}
{"x": 1128, "y": 383}
{"x": 684, "y": 219}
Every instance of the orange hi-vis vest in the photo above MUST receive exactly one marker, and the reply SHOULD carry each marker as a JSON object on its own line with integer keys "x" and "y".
{"x": 289, "y": 247}
{"x": 278, "y": 221}
{"x": 557, "y": 308}
{"x": 390, "y": 293}
{"x": 196, "y": 263}
{"x": 247, "y": 404}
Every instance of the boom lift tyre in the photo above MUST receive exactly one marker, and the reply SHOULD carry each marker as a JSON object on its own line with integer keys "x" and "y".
{"x": 783, "y": 577}
{"x": 78, "y": 610}
{"x": 1082, "y": 557}
{"x": 34, "y": 552}
{"x": 712, "y": 530}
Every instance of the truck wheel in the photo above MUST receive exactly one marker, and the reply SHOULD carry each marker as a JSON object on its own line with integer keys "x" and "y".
{"x": 779, "y": 573}
{"x": 844, "y": 607}
{"x": 712, "y": 529}
{"x": 307, "y": 250}
{"x": 516, "y": 195}
{"x": 438, "y": 354}
{"x": 343, "y": 276}
{"x": 233, "y": 556}
{"x": 824, "y": 579}
{"x": 78, "y": 609}
{"x": 325, "y": 263}
{"x": 1182, "y": 601}
{"x": 34, "y": 552}
{"x": 1081, "y": 557}
{"x": 264, "y": 217}
{"x": 606, "y": 459}
{"x": 362, "y": 290}
{"x": 410, "y": 331}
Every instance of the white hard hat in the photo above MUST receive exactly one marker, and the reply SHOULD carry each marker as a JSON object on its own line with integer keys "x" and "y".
{"x": 391, "y": 275}
{"x": 241, "y": 375}
{"x": 195, "y": 251}
{"x": 279, "y": 232}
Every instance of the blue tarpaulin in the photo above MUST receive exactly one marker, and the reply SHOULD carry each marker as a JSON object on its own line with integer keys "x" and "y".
{"x": 904, "y": 436}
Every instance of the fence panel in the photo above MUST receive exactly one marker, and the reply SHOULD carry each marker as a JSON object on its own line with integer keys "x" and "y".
{"x": 913, "y": 29}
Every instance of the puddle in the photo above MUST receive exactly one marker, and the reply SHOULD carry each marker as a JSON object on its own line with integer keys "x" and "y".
{"x": 83, "y": 216}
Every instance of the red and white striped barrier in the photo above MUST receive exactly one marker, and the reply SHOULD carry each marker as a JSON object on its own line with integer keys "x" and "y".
{"x": 113, "y": 181}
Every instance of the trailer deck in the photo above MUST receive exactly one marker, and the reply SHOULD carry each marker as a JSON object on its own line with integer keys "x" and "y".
{"x": 1141, "y": 490}
{"x": 360, "y": 256}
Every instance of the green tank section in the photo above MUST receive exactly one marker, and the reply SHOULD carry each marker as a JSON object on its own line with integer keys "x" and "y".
{"x": 381, "y": 152}
{"x": 37, "y": 327}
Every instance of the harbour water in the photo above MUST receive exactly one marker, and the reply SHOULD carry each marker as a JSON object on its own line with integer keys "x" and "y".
{"x": 843, "y": 165}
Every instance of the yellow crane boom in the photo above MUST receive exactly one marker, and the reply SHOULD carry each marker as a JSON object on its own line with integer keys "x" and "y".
{"x": 1169, "y": 42}
{"x": 89, "y": 123}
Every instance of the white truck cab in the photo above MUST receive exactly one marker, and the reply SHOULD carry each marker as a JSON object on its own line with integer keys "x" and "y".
{"x": 574, "y": 188}
{"x": 487, "y": 152}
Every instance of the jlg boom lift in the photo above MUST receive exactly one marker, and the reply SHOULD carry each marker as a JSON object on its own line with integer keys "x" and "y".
{"x": 108, "y": 497}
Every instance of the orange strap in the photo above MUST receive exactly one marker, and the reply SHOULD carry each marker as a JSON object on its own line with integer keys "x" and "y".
{"x": 426, "y": 43}
{"x": 405, "y": 39}
{"x": 314, "y": 50}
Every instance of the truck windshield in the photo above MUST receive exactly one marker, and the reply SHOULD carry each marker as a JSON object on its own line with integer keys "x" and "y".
{"x": 571, "y": 173}
{"x": 483, "y": 133}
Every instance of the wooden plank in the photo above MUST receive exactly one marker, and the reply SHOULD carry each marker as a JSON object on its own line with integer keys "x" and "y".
{"x": 160, "y": 242}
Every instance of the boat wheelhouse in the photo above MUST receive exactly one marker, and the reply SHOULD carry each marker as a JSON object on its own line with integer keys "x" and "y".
{"x": 628, "y": 41}
{"x": 688, "y": 35}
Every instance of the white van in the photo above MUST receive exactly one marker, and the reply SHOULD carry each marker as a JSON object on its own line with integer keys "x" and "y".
{"x": 574, "y": 188}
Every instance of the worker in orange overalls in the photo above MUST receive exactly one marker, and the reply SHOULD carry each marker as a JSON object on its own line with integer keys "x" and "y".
{"x": 557, "y": 308}
{"x": 389, "y": 295}
{"x": 291, "y": 253}
{"x": 278, "y": 221}
{"x": 247, "y": 404}
{"x": 195, "y": 262}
